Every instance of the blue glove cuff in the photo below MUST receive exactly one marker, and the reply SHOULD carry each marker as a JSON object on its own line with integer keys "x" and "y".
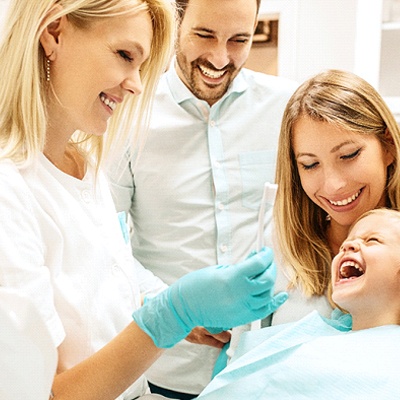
{"x": 158, "y": 318}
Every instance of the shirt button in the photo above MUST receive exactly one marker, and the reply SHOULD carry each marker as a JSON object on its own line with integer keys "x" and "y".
{"x": 86, "y": 196}
{"x": 223, "y": 248}
{"x": 212, "y": 123}
{"x": 221, "y": 206}
{"x": 115, "y": 269}
{"x": 217, "y": 164}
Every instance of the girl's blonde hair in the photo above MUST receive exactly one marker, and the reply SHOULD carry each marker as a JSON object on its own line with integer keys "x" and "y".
{"x": 346, "y": 101}
{"x": 23, "y": 70}
{"x": 380, "y": 212}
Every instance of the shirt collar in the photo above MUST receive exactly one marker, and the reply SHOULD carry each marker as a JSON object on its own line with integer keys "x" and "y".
{"x": 181, "y": 93}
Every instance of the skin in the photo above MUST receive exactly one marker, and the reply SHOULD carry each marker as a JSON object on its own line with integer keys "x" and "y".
{"x": 373, "y": 298}
{"x": 115, "y": 49}
{"x": 214, "y": 41}
{"x": 342, "y": 172}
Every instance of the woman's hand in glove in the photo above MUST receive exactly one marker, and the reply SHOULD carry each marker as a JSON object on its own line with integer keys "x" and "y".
{"x": 218, "y": 298}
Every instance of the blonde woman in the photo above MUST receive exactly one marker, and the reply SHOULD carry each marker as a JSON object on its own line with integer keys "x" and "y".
{"x": 72, "y": 69}
{"x": 338, "y": 158}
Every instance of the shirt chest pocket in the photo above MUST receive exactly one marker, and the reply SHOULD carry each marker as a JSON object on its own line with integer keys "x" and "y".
{"x": 256, "y": 168}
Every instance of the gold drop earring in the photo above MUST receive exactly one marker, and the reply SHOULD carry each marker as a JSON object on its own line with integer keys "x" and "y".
{"x": 47, "y": 69}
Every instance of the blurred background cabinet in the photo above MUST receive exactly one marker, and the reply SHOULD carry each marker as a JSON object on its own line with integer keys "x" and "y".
{"x": 362, "y": 36}
{"x": 298, "y": 38}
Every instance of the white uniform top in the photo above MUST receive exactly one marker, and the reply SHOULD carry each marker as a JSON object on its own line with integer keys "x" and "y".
{"x": 195, "y": 194}
{"x": 61, "y": 245}
{"x": 28, "y": 357}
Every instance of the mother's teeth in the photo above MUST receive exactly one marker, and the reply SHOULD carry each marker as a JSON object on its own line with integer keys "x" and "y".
{"x": 344, "y": 202}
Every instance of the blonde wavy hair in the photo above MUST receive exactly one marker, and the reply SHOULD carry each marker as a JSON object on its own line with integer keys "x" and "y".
{"x": 349, "y": 102}
{"x": 23, "y": 84}
{"x": 380, "y": 212}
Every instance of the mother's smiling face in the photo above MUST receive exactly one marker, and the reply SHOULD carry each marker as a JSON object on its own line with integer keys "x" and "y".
{"x": 343, "y": 172}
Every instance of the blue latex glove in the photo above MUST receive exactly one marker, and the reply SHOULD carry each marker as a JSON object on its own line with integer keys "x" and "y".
{"x": 220, "y": 297}
{"x": 339, "y": 320}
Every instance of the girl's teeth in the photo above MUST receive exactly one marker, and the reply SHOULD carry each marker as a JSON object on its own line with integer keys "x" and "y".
{"x": 350, "y": 269}
{"x": 344, "y": 202}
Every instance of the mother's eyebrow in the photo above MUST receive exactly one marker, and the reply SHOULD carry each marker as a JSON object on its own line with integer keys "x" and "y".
{"x": 339, "y": 146}
{"x": 333, "y": 150}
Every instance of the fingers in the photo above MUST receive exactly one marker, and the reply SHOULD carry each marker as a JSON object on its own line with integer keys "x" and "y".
{"x": 200, "y": 335}
{"x": 273, "y": 304}
{"x": 266, "y": 303}
{"x": 257, "y": 263}
{"x": 263, "y": 283}
{"x": 223, "y": 337}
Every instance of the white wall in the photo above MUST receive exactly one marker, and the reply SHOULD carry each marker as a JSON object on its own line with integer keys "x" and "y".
{"x": 320, "y": 34}
{"x": 3, "y": 12}
{"x": 345, "y": 34}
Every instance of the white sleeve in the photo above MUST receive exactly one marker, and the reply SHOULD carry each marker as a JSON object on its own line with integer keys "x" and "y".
{"x": 150, "y": 285}
{"x": 121, "y": 182}
{"x": 28, "y": 356}
{"x": 22, "y": 249}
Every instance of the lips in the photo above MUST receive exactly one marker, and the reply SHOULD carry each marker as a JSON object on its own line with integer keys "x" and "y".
{"x": 350, "y": 269}
{"x": 211, "y": 73}
{"x": 346, "y": 201}
{"x": 110, "y": 103}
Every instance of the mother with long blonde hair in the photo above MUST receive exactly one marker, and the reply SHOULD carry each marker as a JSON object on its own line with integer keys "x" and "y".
{"x": 338, "y": 158}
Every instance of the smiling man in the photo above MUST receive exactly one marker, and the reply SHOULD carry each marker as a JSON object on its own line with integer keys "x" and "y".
{"x": 195, "y": 194}
{"x": 210, "y": 54}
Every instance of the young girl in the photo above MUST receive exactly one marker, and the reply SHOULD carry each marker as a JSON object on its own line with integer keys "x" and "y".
{"x": 318, "y": 358}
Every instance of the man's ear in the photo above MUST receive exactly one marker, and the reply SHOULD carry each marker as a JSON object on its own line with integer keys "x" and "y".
{"x": 49, "y": 39}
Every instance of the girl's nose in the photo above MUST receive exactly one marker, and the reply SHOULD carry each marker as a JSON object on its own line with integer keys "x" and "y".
{"x": 350, "y": 245}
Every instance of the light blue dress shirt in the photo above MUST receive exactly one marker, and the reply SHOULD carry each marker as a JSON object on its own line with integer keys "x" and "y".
{"x": 196, "y": 190}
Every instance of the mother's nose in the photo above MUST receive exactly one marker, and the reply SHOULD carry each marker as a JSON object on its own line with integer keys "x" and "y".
{"x": 334, "y": 180}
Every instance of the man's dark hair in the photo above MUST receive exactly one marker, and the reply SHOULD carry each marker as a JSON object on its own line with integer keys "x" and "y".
{"x": 181, "y": 6}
